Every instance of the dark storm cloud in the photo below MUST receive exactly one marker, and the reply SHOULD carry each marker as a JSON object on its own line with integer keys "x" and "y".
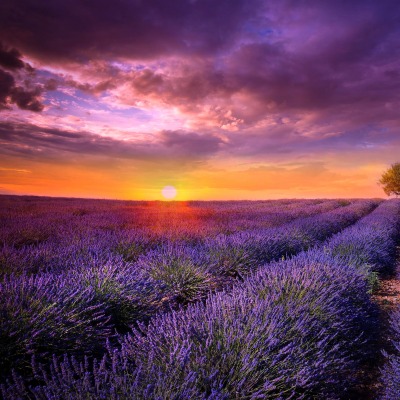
{"x": 286, "y": 81}
{"x": 10, "y": 58}
{"x": 289, "y": 55}
{"x": 328, "y": 53}
{"x": 11, "y": 93}
{"x": 314, "y": 57}
{"x": 76, "y": 30}
{"x": 26, "y": 98}
{"x": 7, "y": 84}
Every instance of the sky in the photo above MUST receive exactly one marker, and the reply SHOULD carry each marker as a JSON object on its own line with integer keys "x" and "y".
{"x": 227, "y": 99}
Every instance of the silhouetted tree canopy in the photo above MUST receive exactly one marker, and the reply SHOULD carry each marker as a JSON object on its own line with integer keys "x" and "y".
{"x": 390, "y": 180}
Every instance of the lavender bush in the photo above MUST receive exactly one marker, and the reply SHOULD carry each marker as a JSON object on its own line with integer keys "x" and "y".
{"x": 39, "y": 234}
{"x": 238, "y": 254}
{"x": 296, "y": 328}
{"x": 41, "y": 315}
{"x": 181, "y": 270}
{"x": 126, "y": 292}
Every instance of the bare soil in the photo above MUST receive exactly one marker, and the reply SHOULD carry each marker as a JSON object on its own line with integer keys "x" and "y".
{"x": 386, "y": 297}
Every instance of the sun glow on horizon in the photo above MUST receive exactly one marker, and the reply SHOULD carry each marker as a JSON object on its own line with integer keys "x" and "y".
{"x": 169, "y": 192}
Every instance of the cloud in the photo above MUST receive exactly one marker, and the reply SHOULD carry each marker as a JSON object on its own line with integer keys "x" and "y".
{"x": 339, "y": 62}
{"x": 94, "y": 89}
{"x": 77, "y": 30}
{"x": 52, "y": 145}
{"x": 7, "y": 84}
{"x": 23, "y": 95}
{"x": 191, "y": 143}
{"x": 21, "y": 171}
{"x": 286, "y": 57}
{"x": 27, "y": 99}
{"x": 11, "y": 93}
{"x": 10, "y": 58}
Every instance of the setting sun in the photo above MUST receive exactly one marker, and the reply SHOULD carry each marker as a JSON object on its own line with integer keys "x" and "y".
{"x": 169, "y": 192}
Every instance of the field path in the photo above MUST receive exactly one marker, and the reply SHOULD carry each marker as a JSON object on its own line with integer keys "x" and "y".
{"x": 386, "y": 297}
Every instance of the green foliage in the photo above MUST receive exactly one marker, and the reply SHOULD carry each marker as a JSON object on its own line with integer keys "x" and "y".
{"x": 373, "y": 282}
{"x": 231, "y": 261}
{"x": 390, "y": 180}
{"x": 130, "y": 251}
{"x": 182, "y": 278}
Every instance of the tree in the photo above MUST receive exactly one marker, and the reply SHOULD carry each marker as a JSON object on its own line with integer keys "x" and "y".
{"x": 390, "y": 180}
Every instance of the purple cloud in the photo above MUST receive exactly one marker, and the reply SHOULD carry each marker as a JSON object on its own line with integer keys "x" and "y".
{"x": 25, "y": 97}
{"x": 54, "y": 144}
{"x": 10, "y": 58}
{"x": 76, "y": 30}
{"x": 11, "y": 93}
{"x": 191, "y": 143}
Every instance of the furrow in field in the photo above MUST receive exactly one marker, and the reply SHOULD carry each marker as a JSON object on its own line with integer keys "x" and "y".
{"x": 387, "y": 385}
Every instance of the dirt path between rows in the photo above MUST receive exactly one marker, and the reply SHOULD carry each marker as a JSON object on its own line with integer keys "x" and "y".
{"x": 386, "y": 298}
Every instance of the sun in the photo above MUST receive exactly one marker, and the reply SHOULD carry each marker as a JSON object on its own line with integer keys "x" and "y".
{"x": 169, "y": 192}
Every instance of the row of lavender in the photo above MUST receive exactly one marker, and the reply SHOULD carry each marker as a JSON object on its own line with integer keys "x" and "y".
{"x": 47, "y": 234}
{"x": 77, "y": 310}
{"x": 28, "y": 220}
{"x": 297, "y": 328}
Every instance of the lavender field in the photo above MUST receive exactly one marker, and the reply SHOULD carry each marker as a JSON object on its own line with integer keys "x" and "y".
{"x": 272, "y": 299}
